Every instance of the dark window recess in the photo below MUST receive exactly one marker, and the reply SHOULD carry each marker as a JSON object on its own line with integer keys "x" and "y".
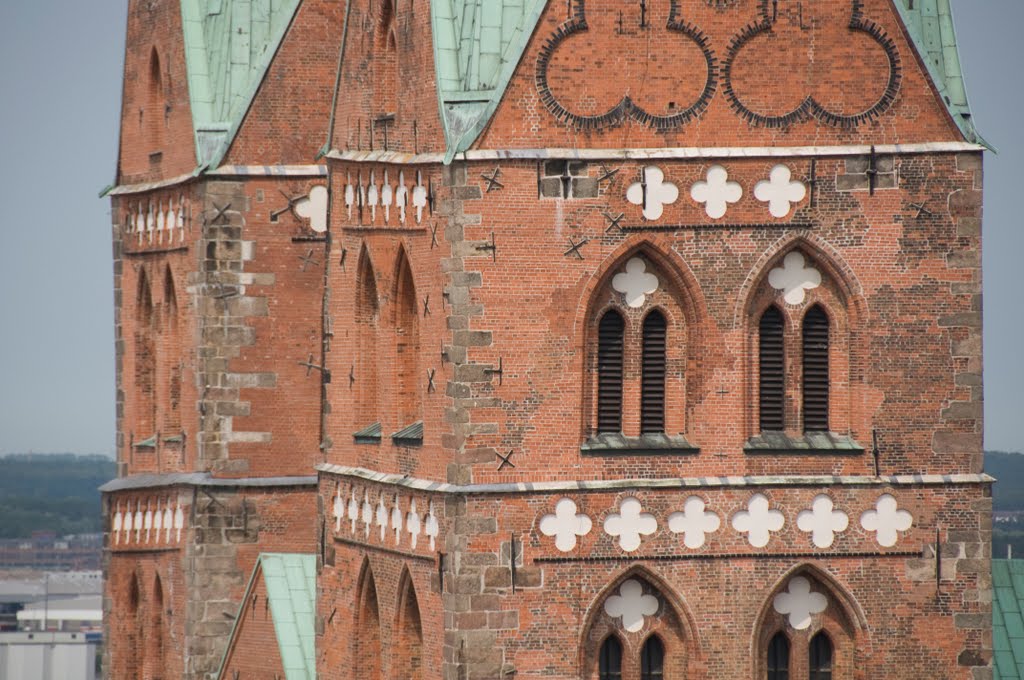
{"x": 778, "y": 658}
{"x": 652, "y": 390}
{"x": 772, "y": 372}
{"x": 567, "y": 179}
{"x": 609, "y": 373}
{"x": 652, "y": 659}
{"x": 610, "y": 662}
{"x": 815, "y": 387}
{"x": 821, "y": 657}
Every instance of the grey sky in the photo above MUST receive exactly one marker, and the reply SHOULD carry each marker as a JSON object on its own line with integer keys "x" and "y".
{"x": 60, "y": 89}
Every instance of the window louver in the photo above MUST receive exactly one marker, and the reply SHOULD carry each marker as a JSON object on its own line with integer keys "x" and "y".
{"x": 772, "y": 373}
{"x": 652, "y": 660}
{"x": 610, "y": 661}
{"x": 778, "y": 658}
{"x": 652, "y": 391}
{"x": 821, "y": 658}
{"x": 815, "y": 383}
{"x": 609, "y": 373}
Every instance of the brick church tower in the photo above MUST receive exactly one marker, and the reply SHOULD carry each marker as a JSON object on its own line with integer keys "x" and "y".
{"x": 588, "y": 339}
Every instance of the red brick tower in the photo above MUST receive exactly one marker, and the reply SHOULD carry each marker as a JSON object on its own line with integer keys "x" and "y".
{"x": 624, "y": 340}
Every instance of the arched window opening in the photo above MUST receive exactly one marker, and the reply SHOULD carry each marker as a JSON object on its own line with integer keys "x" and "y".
{"x": 652, "y": 382}
{"x": 133, "y": 653}
{"x": 155, "y": 101}
{"x": 408, "y": 656}
{"x": 367, "y": 643}
{"x": 815, "y": 370}
{"x": 171, "y": 355}
{"x": 652, "y": 659}
{"x": 772, "y": 375}
{"x": 155, "y": 661}
{"x": 367, "y": 316}
{"x": 145, "y": 360}
{"x": 610, "y": 661}
{"x": 610, "y": 337}
{"x": 407, "y": 345}
{"x": 386, "y": 67}
{"x": 820, "y": 661}
{"x": 778, "y": 657}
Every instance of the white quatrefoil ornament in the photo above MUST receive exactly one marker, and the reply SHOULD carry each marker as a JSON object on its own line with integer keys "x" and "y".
{"x": 636, "y": 283}
{"x": 717, "y": 192}
{"x": 314, "y": 209}
{"x": 631, "y": 605}
{"x": 758, "y": 521}
{"x": 780, "y": 191}
{"x": 565, "y": 525}
{"x": 822, "y": 521}
{"x": 800, "y": 603}
{"x": 629, "y": 524}
{"x": 693, "y": 522}
{"x": 653, "y": 193}
{"x": 794, "y": 278}
{"x": 887, "y": 520}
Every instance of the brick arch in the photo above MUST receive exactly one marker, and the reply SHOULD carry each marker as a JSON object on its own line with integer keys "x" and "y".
{"x": 841, "y": 297}
{"x": 679, "y": 299}
{"x": 406, "y": 324}
{"x": 130, "y": 654}
{"x": 145, "y": 358}
{"x": 367, "y": 321}
{"x": 169, "y": 369}
{"x": 407, "y": 653}
{"x": 674, "y": 625}
{"x": 386, "y": 63}
{"x": 843, "y": 620}
{"x": 366, "y": 637}
{"x": 156, "y": 99}
{"x": 155, "y": 642}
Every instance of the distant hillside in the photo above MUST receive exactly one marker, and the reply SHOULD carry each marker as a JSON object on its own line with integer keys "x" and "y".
{"x": 1007, "y": 497}
{"x": 54, "y": 492}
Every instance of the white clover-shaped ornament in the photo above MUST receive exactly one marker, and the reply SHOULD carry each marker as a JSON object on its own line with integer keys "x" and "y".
{"x": 387, "y": 197}
{"x": 138, "y": 522}
{"x": 822, "y": 521}
{"x": 127, "y": 525}
{"x": 168, "y": 522}
{"x": 396, "y": 520}
{"x": 717, "y": 192}
{"x": 382, "y": 517}
{"x": 565, "y": 525}
{"x": 179, "y": 523}
{"x": 636, "y": 283}
{"x": 353, "y": 511}
{"x": 373, "y": 196}
{"x": 631, "y": 605}
{"x": 431, "y": 527}
{"x": 158, "y": 522}
{"x": 887, "y": 520}
{"x": 800, "y": 603}
{"x": 794, "y": 278}
{"x": 652, "y": 193}
{"x": 758, "y": 521}
{"x": 629, "y": 524}
{"x": 413, "y": 523}
{"x": 148, "y": 521}
{"x": 401, "y": 197}
{"x": 419, "y": 197}
{"x": 314, "y": 208}
{"x": 338, "y": 511}
{"x": 367, "y": 514}
{"x": 350, "y": 195}
{"x": 118, "y": 523}
{"x": 780, "y": 191}
{"x": 694, "y": 523}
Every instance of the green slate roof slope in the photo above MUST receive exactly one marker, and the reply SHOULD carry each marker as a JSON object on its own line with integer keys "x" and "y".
{"x": 290, "y": 581}
{"x": 1007, "y": 622}
{"x": 229, "y": 45}
{"x": 477, "y": 46}
{"x": 930, "y": 25}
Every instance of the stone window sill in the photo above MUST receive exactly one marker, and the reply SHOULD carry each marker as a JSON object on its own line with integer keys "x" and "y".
{"x": 810, "y": 443}
{"x": 645, "y": 445}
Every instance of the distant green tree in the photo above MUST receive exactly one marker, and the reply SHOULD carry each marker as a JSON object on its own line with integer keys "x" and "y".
{"x": 58, "y": 493}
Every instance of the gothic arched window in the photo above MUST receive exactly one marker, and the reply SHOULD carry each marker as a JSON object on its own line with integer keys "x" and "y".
{"x": 652, "y": 381}
{"x": 820, "y": 657}
{"x": 778, "y": 657}
{"x": 816, "y": 373}
{"x": 772, "y": 383}
{"x": 652, "y": 659}
{"x": 610, "y": 662}
{"x": 609, "y": 372}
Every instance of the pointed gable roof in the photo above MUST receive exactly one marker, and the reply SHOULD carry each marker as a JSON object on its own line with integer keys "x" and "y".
{"x": 477, "y": 46}
{"x": 229, "y": 45}
{"x": 930, "y": 25}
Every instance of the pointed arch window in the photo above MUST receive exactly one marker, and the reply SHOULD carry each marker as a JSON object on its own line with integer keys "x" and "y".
{"x": 815, "y": 370}
{"x": 652, "y": 659}
{"x": 778, "y": 657}
{"x": 820, "y": 661}
{"x": 409, "y": 659}
{"x": 368, "y": 641}
{"x": 610, "y": 661}
{"x": 407, "y": 345}
{"x": 155, "y": 102}
{"x": 145, "y": 359}
{"x": 367, "y": 318}
{"x": 610, "y": 336}
{"x": 772, "y": 381}
{"x": 652, "y": 381}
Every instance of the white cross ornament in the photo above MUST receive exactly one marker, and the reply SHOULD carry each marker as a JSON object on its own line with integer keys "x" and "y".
{"x": 419, "y": 197}
{"x": 118, "y": 523}
{"x": 565, "y": 525}
{"x": 758, "y": 521}
{"x": 780, "y": 191}
{"x": 693, "y": 522}
{"x": 431, "y": 527}
{"x": 353, "y": 511}
{"x": 314, "y": 208}
{"x": 800, "y": 603}
{"x": 794, "y": 278}
{"x": 350, "y": 195}
{"x": 887, "y": 520}
{"x": 373, "y": 196}
{"x": 339, "y": 510}
{"x": 636, "y": 283}
{"x": 631, "y": 605}
{"x": 168, "y": 522}
{"x": 396, "y": 521}
{"x": 717, "y": 192}
{"x": 401, "y": 197}
{"x": 653, "y": 193}
{"x": 179, "y": 523}
{"x": 387, "y": 197}
{"x": 127, "y": 526}
{"x": 382, "y": 517}
{"x": 822, "y": 521}
{"x": 412, "y": 523}
{"x": 629, "y": 524}
{"x": 367, "y": 514}
{"x": 158, "y": 521}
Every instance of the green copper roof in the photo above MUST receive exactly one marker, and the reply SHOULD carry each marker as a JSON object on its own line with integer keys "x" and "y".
{"x": 477, "y": 45}
{"x": 930, "y": 24}
{"x": 290, "y": 581}
{"x": 1007, "y": 622}
{"x": 229, "y": 45}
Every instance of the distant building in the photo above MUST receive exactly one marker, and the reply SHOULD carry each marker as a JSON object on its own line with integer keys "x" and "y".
{"x": 75, "y": 614}
{"x": 48, "y": 656}
{"x": 50, "y": 552}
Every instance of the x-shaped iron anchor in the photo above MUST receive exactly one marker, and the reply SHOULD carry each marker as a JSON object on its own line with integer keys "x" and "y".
{"x": 574, "y": 248}
{"x": 506, "y": 460}
{"x": 492, "y": 180}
